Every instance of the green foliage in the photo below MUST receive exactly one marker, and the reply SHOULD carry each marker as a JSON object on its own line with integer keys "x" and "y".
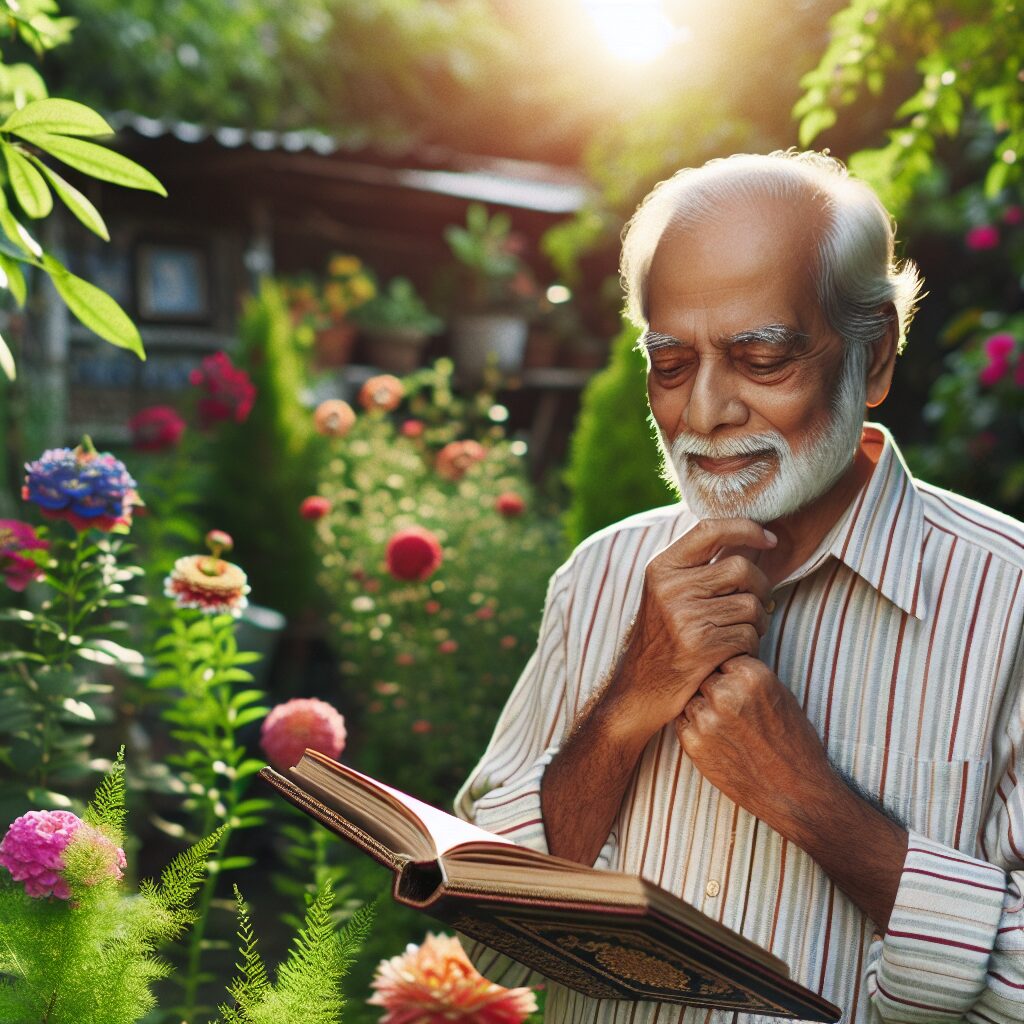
{"x": 614, "y": 464}
{"x": 93, "y": 958}
{"x": 308, "y": 988}
{"x": 397, "y": 306}
{"x": 966, "y": 59}
{"x": 107, "y": 810}
{"x": 262, "y": 469}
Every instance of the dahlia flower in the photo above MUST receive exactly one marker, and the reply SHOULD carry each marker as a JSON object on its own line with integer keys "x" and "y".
{"x": 208, "y": 583}
{"x": 435, "y": 983}
{"x": 314, "y": 507}
{"x": 88, "y": 489}
{"x": 33, "y": 851}
{"x": 228, "y": 391}
{"x": 296, "y": 724}
{"x": 413, "y": 554}
{"x": 510, "y": 504}
{"x": 18, "y": 568}
{"x": 156, "y": 428}
{"x": 334, "y": 418}
{"x": 455, "y": 459}
{"x": 382, "y": 392}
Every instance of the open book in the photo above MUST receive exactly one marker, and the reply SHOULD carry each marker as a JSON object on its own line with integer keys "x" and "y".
{"x": 602, "y": 933}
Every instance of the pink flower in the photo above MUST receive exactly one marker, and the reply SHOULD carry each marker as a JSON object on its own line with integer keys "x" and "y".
{"x": 510, "y": 504}
{"x": 435, "y": 983}
{"x": 448, "y": 646}
{"x": 229, "y": 392}
{"x": 296, "y": 724}
{"x": 209, "y": 584}
{"x": 156, "y": 428}
{"x": 33, "y": 851}
{"x": 314, "y": 507}
{"x": 1013, "y": 215}
{"x": 455, "y": 459}
{"x": 334, "y": 418}
{"x": 998, "y": 349}
{"x": 507, "y": 642}
{"x": 383, "y": 392}
{"x": 485, "y": 612}
{"x": 218, "y": 541}
{"x": 431, "y": 607}
{"x": 412, "y": 428}
{"x": 18, "y": 568}
{"x": 413, "y": 554}
{"x": 981, "y": 238}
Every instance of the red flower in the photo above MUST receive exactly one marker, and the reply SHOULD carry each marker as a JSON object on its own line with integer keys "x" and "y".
{"x": 382, "y": 392}
{"x": 413, "y": 554}
{"x": 448, "y": 646}
{"x": 296, "y": 724}
{"x": 229, "y": 392}
{"x": 507, "y": 642}
{"x": 981, "y": 238}
{"x": 334, "y": 418}
{"x": 412, "y": 428}
{"x": 314, "y": 507}
{"x": 421, "y": 726}
{"x": 455, "y": 459}
{"x": 432, "y": 607}
{"x": 485, "y": 613}
{"x": 18, "y": 568}
{"x": 510, "y": 504}
{"x": 156, "y": 428}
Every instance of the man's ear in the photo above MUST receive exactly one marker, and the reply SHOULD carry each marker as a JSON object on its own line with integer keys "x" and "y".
{"x": 883, "y": 359}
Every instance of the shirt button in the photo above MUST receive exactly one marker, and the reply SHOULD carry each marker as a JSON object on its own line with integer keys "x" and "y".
{"x": 712, "y": 889}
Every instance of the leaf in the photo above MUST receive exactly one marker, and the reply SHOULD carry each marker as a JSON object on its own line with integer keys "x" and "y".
{"x": 96, "y": 161}
{"x": 74, "y": 200}
{"x": 95, "y": 308}
{"x": 7, "y": 360}
{"x": 58, "y": 117}
{"x": 78, "y": 709}
{"x": 16, "y": 232}
{"x": 15, "y": 278}
{"x": 815, "y": 123}
{"x": 28, "y": 184}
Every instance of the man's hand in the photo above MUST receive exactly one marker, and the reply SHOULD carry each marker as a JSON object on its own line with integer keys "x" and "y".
{"x": 748, "y": 736}
{"x": 700, "y": 607}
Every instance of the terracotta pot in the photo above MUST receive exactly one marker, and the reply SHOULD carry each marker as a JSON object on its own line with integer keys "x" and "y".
{"x": 333, "y": 345}
{"x": 480, "y": 338}
{"x": 395, "y": 349}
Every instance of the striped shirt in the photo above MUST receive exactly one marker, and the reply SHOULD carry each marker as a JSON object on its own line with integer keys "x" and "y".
{"x": 901, "y": 637}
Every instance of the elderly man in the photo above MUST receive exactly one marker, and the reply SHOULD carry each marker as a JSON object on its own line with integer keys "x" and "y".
{"x": 795, "y": 698}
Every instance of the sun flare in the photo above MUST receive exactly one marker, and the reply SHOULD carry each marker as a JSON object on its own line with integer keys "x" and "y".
{"x": 636, "y": 31}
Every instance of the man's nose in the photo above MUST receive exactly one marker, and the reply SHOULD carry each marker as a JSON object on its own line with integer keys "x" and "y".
{"x": 714, "y": 401}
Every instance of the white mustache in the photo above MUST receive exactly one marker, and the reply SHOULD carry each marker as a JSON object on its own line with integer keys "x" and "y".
{"x": 726, "y": 448}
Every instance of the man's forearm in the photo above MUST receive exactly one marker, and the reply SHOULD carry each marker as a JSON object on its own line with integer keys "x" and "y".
{"x": 583, "y": 786}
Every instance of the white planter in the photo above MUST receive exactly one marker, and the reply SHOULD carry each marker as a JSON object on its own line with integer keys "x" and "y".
{"x": 478, "y": 339}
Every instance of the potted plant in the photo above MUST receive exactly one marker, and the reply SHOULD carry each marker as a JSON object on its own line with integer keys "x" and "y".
{"x": 396, "y": 325}
{"x": 494, "y": 290}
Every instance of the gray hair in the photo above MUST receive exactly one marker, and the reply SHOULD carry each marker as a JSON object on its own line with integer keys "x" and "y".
{"x": 856, "y": 274}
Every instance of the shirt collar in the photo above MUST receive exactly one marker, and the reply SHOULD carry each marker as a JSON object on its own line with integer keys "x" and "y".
{"x": 880, "y": 536}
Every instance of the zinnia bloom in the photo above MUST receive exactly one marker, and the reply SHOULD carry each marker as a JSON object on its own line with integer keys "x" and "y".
{"x": 296, "y": 724}
{"x": 413, "y": 554}
{"x": 156, "y": 428}
{"x": 981, "y": 238}
{"x": 33, "y": 851}
{"x": 435, "y": 983}
{"x": 19, "y": 569}
{"x": 334, "y": 418}
{"x": 88, "y": 489}
{"x": 209, "y": 584}
{"x": 314, "y": 507}
{"x": 382, "y": 392}
{"x": 229, "y": 393}
{"x": 454, "y": 460}
{"x": 510, "y": 504}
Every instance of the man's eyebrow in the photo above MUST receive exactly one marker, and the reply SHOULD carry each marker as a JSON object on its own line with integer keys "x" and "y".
{"x": 767, "y": 334}
{"x": 651, "y": 340}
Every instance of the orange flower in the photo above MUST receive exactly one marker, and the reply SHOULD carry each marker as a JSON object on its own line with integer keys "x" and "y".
{"x": 454, "y": 460}
{"x": 436, "y": 984}
{"x": 334, "y": 418}
{"x": 382, "y": 392}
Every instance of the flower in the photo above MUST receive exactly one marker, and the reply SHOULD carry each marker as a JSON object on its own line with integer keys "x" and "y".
{"x": 33, "y": 851}
{"x": 314, "y": 507}
{"x": 218, "y": 541}
{"x": 207, "y": 582}
{"x": 434, "y": 983}
{"x": 510, "y": 504}
{"x": 229, "y": 391}
{"x": 448, "y": 646}
{"x": 412, "y": 428}
{"x": 88, "y": 489}
{"x": 334, "y": 418}
{"x": 997, "y": 349}
{"x": 299, "y": 723}
{"x": 1013, "y": 215}
{"x": 455, "y": 459}
{"x": 981, "y": 238}
{"x": 19, "y": 569}
{"x": 421, "y": 727}
{"x": 508, "y": 642}
{"x": 413, "y": 554}
{"x": 432, "y": 607}
{"x": 383, "y": 392}
{"x": 156, "y": 428}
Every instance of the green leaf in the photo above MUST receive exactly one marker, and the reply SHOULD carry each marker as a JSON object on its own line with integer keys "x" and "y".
{"x": 14, "y": 278}
{"x": 7, "y": 360}
{"x": 14, "y": 230}
{"x": 58, "y": 117}
{"x": 95, "y": 308}
{"x": 815, "y": 123}
{"x": 28, "y": 184}
{"x": 74, "y": 200}
{"x": 96, "y": 161}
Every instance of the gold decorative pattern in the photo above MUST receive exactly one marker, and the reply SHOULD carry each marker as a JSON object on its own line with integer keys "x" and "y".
{"x": 639, "y": 966}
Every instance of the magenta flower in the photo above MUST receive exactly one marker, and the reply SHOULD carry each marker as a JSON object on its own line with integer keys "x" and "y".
{"x": 33, "y": 851}
{"x": 314, "y": 507}
{"x": 998, "y": 349}
{"x": 981, "y": 238}
{"x": 413, "y": 554}
{"x": 296, "y": 724}
{"x": 156, "y": 428}
{"x": 228, "y": 391}
{"x": 18, "y": 568}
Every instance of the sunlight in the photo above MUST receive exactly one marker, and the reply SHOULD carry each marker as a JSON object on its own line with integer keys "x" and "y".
{"x": 633, "y": 30}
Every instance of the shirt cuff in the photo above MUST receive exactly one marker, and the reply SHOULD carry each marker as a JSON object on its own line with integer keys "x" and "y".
{"x": 933, "y": 961}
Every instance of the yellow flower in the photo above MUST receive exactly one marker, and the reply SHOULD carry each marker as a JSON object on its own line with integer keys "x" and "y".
{"x": 334, "y": 296}
{"x": 361, "y": 289}
{"x": 344, "y": 266}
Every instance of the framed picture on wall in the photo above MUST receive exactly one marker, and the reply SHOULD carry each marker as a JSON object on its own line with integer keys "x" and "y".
{"x": 173, "y": 282}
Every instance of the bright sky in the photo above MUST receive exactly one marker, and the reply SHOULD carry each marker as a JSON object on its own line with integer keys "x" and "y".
{"x": 637, "y": 31}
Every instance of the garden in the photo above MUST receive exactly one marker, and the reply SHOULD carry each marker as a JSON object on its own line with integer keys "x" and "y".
{"x": 333, "y": 530}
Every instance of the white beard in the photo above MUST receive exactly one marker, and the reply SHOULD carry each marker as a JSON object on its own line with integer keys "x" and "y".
{"x": 780, "y": 481}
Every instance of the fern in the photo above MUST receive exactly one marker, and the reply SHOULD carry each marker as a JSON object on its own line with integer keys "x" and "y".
{"x": 107, "y": 809}
{"x": 183, "y": 876}
{"x": 308, "y": 989}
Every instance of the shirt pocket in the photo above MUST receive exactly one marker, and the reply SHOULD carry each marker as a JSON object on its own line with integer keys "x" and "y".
{"x": 938, "y": 798}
